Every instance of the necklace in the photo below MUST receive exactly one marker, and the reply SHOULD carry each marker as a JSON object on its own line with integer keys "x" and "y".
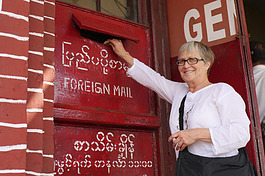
{"x": 187, "y": 117}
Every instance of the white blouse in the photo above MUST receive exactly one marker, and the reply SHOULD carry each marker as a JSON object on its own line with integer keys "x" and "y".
{"x": 217, "y": 107}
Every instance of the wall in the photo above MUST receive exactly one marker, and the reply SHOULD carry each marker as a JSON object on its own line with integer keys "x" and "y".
{"x": 26, "y": 86}
{"x": 27, "y": 90}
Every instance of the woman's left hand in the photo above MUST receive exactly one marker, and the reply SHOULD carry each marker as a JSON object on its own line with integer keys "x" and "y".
{"x": 187, "y": 137}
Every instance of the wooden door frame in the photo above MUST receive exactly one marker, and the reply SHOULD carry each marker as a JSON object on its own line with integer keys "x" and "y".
{"x": 156, "y": 19}
{"x": 247, "y": 67}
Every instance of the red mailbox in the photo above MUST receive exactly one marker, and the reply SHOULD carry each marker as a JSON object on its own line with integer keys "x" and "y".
{"x": 104, "y": 120}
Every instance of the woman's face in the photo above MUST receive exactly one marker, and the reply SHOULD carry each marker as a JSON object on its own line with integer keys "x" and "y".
{"x": 193, "y": 73}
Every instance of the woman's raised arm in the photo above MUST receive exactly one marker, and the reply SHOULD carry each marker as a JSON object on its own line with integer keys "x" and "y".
{"x": 118, "y": 49}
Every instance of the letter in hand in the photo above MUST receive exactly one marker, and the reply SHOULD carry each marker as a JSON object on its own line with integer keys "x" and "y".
{"x": 120, "y": 51}
{"x": 117, "y": 47}
{"x": 107, "y": 42}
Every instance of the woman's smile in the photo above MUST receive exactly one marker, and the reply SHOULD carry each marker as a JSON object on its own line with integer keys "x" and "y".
{"x": 188, "y": 71}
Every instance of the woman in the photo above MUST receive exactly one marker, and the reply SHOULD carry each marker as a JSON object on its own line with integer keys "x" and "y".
{"x": 215, "y": 122}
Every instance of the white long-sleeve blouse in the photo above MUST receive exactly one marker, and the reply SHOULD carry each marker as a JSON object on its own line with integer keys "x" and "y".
{"x": 217, "y": 107}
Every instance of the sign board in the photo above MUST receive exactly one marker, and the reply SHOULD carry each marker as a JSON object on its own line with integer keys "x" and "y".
{"x": 103, "y": 151}
{"x": 89, "y": 74}
{"x": 212, "y": 22}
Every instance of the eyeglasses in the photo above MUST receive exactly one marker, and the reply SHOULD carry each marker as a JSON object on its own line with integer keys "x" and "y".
{"x": 190, "y": 61}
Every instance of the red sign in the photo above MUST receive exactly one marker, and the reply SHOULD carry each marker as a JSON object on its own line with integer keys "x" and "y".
{"x": 89, "y": 74}
{"x": 86, "y": 151}
{"x": 210, "y": 21}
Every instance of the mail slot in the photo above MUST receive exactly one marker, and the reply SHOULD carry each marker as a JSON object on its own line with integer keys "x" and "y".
{"x": 105, "y": 122}
{"x": 88, "y": 73}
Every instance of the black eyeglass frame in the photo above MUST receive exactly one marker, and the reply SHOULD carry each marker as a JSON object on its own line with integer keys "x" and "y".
{"x": 188, "y": 61}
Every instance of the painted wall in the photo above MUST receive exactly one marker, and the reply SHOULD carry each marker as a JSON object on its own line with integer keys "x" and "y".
{"x": 208, "y": 21}
{"x": 27, "y": 33}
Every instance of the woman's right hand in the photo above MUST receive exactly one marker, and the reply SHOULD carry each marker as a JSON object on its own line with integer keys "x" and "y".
{"x": 120, "y": 51}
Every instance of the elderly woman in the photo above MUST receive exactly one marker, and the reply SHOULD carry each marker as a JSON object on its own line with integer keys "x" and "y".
{"x": 215, "y": 124}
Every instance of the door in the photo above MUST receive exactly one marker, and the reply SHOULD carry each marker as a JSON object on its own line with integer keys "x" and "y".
{"x": 104, "y": 121}
{"x": 221, "y": 25}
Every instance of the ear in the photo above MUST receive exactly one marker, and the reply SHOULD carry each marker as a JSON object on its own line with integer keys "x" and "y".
{"x": 208, "y": 64}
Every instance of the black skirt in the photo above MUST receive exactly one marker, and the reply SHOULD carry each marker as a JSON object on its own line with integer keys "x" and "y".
{"x": 193, "y": 165}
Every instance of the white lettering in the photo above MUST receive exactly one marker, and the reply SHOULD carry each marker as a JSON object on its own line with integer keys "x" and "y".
{"x": 92, "y": 83}
{"x": 84, "y": 61}
{"x": 119, "y": 145}
{"x": 122, "y": 91}
{"x": 211, "y": 20}
{"x": 66, "y": 81}
{"x": 128, "y": 91}
{"x": 193, "y": 13}
{"x": 80, "y": 84}
{"x": 65, "y": 55}
{"x": 79, "y": 61}
{"x": 231, "y": 10}
{"x": 105, "y": 71}
{"x": 98, "y": 88}
{"x": 116, "y": 89}
{"x": 106, "y": 88}
{"x": 86, "y": 53}
{"x": 1, "y": 5}
{"x": 93, "y": 61}
{"x": 85, "y": 86}
{"x": 104, "y": 53}
{"x": 195, "y": 31}
{"x": 73, "y": 83}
